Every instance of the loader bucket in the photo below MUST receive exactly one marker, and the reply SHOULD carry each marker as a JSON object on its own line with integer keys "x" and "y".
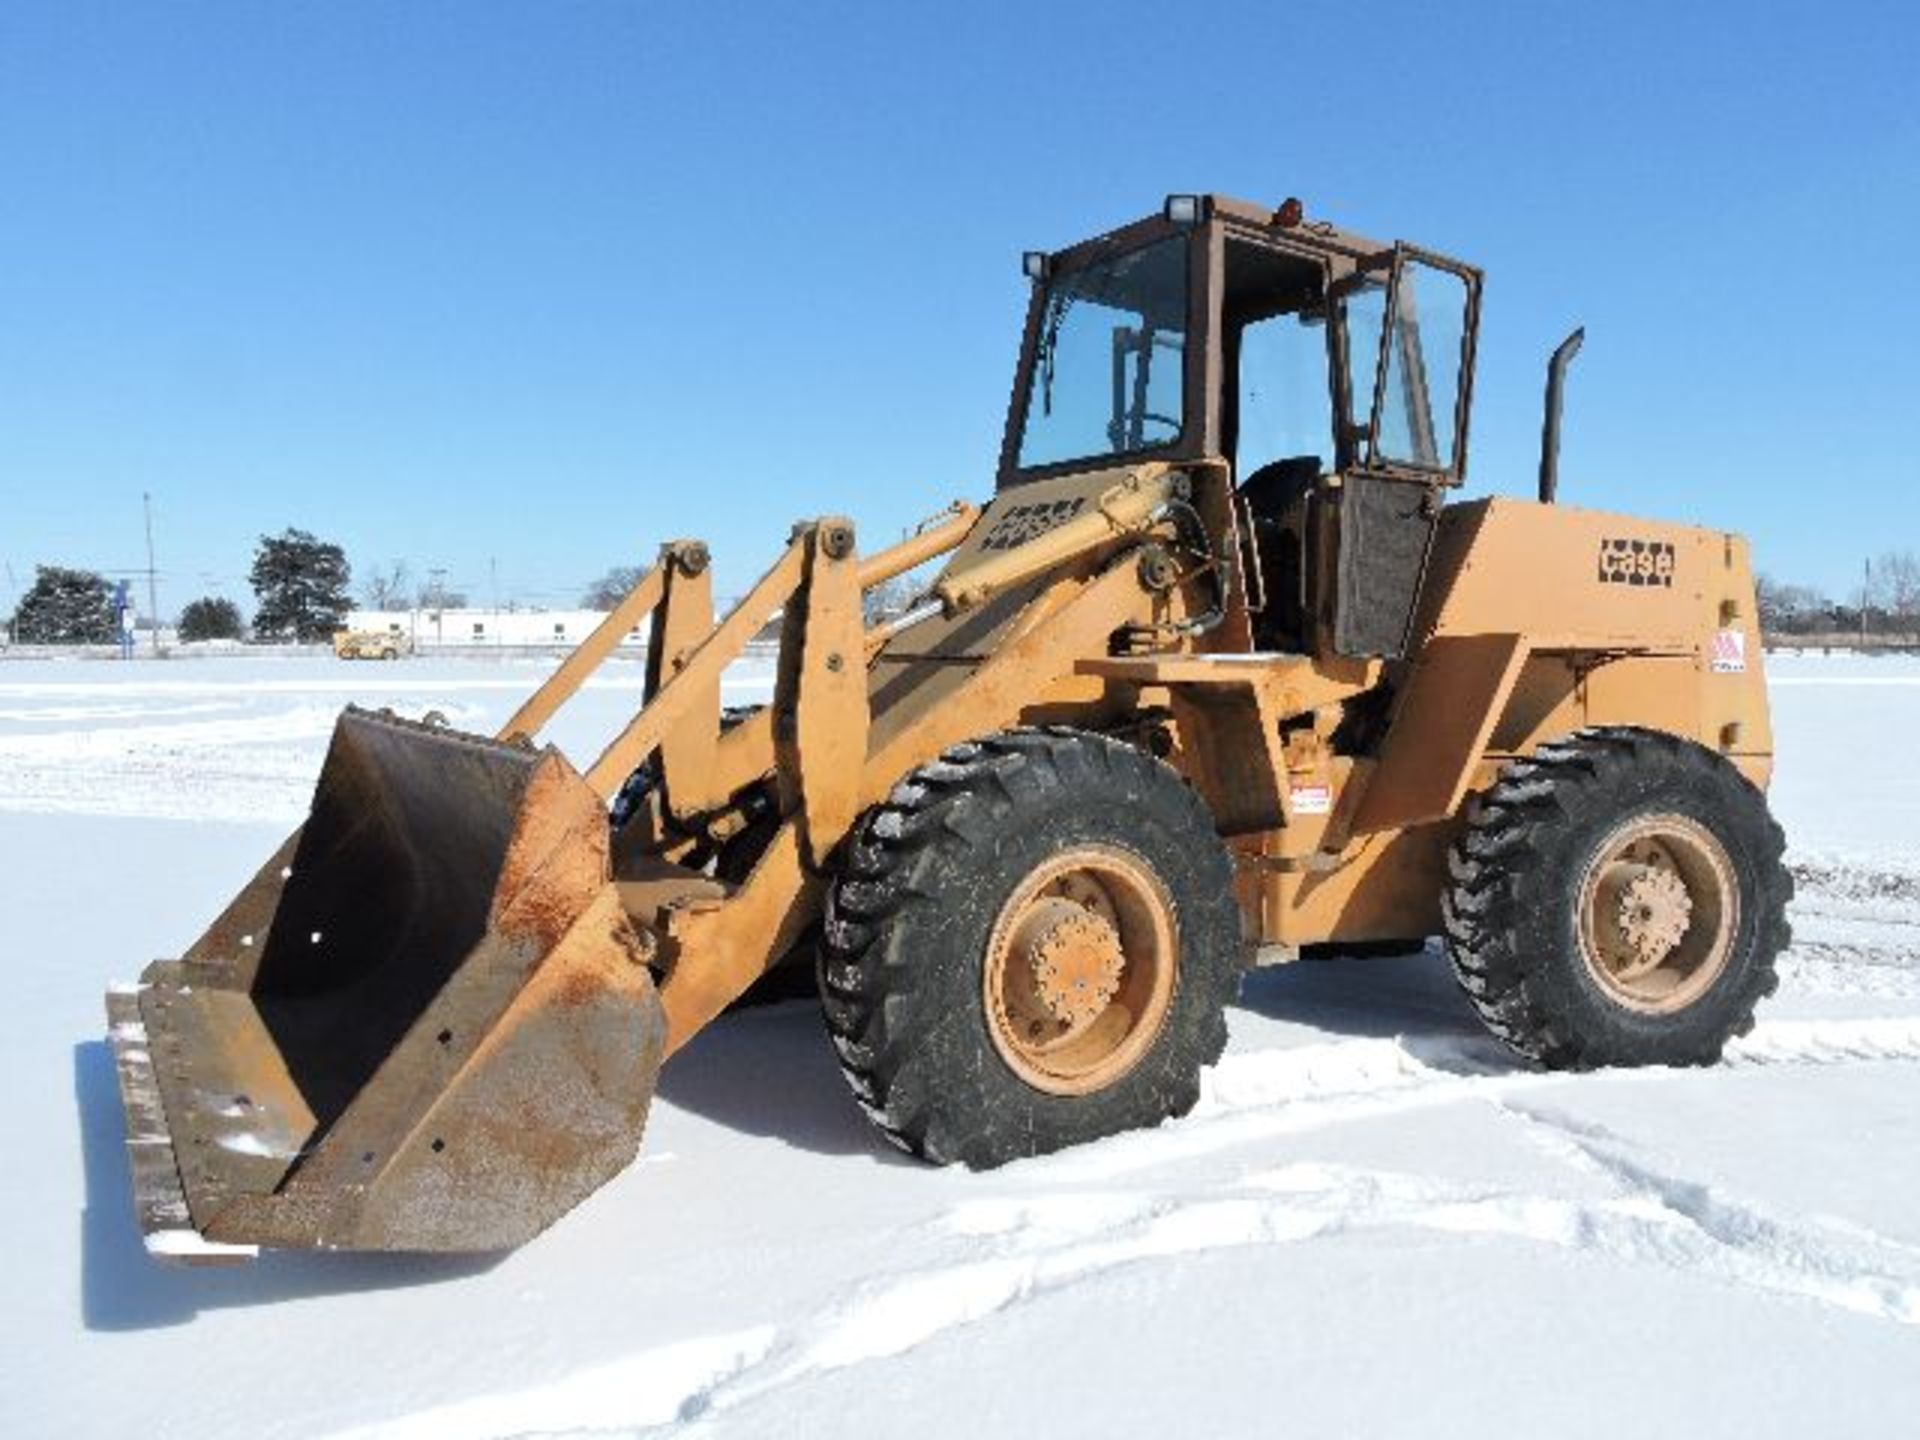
{"x": 427, "y": 1024}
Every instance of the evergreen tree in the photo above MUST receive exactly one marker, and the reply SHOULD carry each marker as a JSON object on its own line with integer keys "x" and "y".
{"x": 211, "y": 618}
{"x": 301, "y": 583}
{"x": 66, "y": 607}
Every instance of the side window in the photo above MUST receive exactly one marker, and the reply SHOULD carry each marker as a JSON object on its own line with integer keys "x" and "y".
{"x": 1417, "y": 420}
{"x": 1365, "y": 310}
{"x": 1283, "y": 393}
{"x": 1423, "y": 343}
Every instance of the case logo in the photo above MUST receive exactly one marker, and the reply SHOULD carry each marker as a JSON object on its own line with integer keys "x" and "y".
{"x": 1636, "y": 562}
{"x": 1023, "y": 522}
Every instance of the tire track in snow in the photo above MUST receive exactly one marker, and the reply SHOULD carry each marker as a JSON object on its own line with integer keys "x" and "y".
{"x": 1827, "y": 1042}
{"x": 1824, "y": 968}
{"x": 1856, "y": 928}
{"x": 1880, "y": 884}
{"x": 651, "y": 1388}
{"x": 1038, "y": 1244}
{"x": 1019, "y": 1248}
{"x": 1707, "y": 1230}
{"x": 1264, "y": 1094}
{"x": 1032, "y": 1247}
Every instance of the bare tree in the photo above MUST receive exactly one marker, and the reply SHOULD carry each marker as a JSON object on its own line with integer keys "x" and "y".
{"x": 1896, "y": 587}
{"x": 435, "y": 594}
{"x": 1775, "y": 608}
{"x": 1791, "y": 609}
{"x": 389, "y": 588}
{"x": 886, "y": 600}
{"x": 611, "y": 588}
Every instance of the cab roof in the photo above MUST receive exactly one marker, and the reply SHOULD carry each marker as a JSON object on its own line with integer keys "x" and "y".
{"x": 1287, "y": 221}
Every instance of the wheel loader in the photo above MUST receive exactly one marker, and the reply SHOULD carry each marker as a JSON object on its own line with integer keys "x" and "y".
{"x": 370, "y": 645}
{"x": 1221, "y": 674}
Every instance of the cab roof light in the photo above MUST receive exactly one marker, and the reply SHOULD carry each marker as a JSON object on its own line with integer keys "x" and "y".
{"x": 1186, "y": 209}
{"x": 1290, "y": 213}
{"x": 1034, "y": 264}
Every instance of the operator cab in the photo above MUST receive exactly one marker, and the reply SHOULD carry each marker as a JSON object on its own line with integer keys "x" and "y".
{"x": 1323, "y": 378}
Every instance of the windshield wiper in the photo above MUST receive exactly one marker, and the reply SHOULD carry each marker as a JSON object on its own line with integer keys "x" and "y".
{"x": 1057, "y": 306}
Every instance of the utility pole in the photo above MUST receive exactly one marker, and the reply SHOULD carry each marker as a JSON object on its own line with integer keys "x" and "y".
{"x": 153, "y": 582}
{"x": 436, "y": 597}
{"x": 1866, "y": 594}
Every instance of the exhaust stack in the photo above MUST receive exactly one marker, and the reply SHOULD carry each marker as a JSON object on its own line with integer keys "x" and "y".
{"x": 1550, "y": 427}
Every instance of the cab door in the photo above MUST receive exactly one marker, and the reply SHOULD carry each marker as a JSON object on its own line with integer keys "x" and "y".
{"x": 1406, "y": 327}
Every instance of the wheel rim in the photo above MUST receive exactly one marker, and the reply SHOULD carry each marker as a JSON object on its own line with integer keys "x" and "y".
{"x": 1659, "y": 908}
{"x": 1080, "y": 970}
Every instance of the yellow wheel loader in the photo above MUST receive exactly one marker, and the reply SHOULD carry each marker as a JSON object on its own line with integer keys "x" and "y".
{"x": 370, "y": 645}
{"x": 1218, "y": 676}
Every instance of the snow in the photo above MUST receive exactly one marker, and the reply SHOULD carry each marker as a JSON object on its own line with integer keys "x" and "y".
{"x": 239, "y": 740}
{"x": 1374, "y": 1221}
{"x": 192, "y": 1245}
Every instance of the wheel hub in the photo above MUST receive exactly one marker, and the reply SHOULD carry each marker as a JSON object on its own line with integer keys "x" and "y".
{"x": 1652, "y": 913}
{"x": 1075, "y": 959}
{"x": 1080, "y": 969}
{"x": 1659, "y": 909}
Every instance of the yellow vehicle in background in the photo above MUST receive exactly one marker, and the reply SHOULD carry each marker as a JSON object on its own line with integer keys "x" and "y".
{"x": 370, "y": 644}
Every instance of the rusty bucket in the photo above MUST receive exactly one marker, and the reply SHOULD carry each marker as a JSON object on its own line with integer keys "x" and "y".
{"x": 426, "y": 1024}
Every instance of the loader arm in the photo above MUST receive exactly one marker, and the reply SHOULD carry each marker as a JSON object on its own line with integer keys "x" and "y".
{"x": 715, "y": 952}
{"x": 434, "y": 1019}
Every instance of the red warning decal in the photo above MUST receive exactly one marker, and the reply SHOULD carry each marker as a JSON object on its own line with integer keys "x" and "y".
{"x": 1729, "y": 653}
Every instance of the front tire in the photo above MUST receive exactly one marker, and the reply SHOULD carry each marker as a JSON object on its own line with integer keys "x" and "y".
{"x": 1618, "y": 899}
{"x": 1030, "y": 945}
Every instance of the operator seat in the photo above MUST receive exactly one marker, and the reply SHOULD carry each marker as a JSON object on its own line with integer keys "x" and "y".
{"x": 1275, "y": 496}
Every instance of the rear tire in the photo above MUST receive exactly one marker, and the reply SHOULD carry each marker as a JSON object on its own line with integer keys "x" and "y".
{"x": 1618, "y": 899}
{"x": 1030, "y": 945}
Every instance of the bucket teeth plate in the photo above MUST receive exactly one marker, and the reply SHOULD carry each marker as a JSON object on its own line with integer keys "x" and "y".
{"x": 159, "y": 1196}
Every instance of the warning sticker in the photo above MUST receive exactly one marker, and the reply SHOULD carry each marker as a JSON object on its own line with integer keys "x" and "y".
{"x": 1729, "y": 654}
{"x": 1312, "y": 799}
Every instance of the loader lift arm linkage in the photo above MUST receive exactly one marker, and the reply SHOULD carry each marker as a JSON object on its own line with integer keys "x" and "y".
{"x": 331, "y": 1063}
{"x": 814, "y": 737}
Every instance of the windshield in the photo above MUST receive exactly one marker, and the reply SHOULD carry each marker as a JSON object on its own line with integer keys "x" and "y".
{"x": 1110, "y": 374}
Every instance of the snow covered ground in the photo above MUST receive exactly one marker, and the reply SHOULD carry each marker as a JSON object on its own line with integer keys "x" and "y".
{"x": 1374, "y": 1221}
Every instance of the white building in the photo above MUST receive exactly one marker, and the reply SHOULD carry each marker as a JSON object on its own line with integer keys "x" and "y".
{"x": 470, "y": 628}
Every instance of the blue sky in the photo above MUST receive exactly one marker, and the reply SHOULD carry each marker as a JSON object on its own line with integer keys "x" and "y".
{"x": 542, "y": 284}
